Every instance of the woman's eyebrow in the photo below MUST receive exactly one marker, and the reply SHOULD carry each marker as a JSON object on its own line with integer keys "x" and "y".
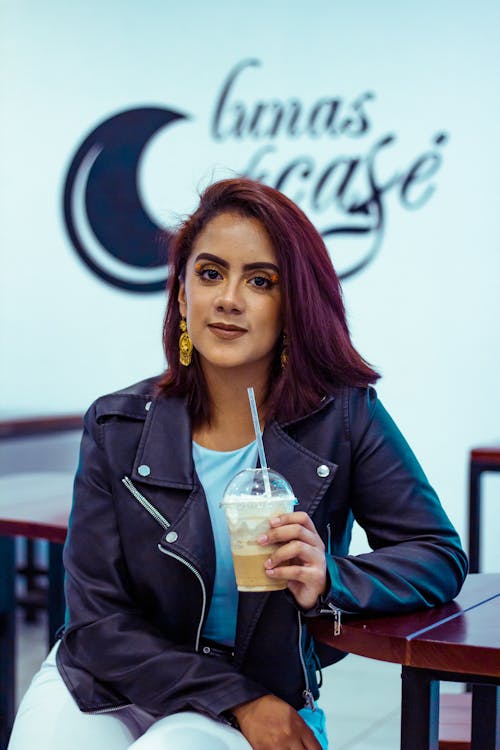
{"x": 225, "y": 264}
{"x": 263, "y": 264}
{"x": 212, "y": 258}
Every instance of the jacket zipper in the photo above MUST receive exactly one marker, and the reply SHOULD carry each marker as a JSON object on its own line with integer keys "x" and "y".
{"x": 337, "y": 613}
{"x": 337, "y": 617}
{"x": 108, "y": 710}
{"x": 145, "y": 503}
{"x": 203, "y": 590}
{"x": 307, "y": 694}
{"x": 165, "y": 524}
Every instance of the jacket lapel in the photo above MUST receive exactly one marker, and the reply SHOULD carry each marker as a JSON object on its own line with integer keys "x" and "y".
{"x": 164, "y": 455}
{"x": 309, "y": 475}
{"x": 164, "y": 459}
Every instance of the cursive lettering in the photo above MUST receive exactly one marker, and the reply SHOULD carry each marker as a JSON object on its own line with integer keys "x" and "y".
{"x": 348, "y": 191}
{"x": 264, "y": 119}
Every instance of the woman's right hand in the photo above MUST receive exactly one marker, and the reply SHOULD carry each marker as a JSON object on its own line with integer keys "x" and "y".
{"x": 269, "y": 723}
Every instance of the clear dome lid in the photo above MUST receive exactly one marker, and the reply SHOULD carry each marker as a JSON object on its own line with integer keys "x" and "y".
{"x": 252, "y": 482}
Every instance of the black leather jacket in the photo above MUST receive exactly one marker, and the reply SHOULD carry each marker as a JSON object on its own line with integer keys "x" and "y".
{"x": 140, "y": 556}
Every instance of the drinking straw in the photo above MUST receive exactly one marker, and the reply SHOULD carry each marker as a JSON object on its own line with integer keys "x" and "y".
{"x": 260, "y": 444}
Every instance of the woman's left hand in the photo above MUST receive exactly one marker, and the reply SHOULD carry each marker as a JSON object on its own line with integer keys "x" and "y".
{"x": 300, "y": 560}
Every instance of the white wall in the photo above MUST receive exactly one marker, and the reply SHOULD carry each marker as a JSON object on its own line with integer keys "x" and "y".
{"x": 425, "y": 311}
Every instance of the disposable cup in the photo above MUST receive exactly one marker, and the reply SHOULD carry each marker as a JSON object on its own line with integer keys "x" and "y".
{"x": 249, "y": 508}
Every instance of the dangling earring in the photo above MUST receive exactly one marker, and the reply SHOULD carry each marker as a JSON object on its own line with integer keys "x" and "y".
{"x": 284, "y": 353}
{"x": 185, "y": 345}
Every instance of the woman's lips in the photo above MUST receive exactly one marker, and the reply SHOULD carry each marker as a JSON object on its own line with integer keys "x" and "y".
{"x": 226, "y": 332}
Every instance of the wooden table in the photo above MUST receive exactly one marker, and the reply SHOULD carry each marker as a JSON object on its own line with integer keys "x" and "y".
{"x": 41, "y": 425}
{"x": 456, "y": 642}
{"x": 35, "y": 506}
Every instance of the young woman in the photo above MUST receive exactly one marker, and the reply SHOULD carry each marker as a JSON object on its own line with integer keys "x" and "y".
{"x": 159, "y": 650}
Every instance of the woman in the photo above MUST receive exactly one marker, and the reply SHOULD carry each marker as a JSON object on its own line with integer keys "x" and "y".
{"x": 158, "y": 649}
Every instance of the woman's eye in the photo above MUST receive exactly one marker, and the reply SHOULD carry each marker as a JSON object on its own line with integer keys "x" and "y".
{"x": 211, "y": 274}
{"x": 208, "y": 274}
{"x": 262, "y": 282}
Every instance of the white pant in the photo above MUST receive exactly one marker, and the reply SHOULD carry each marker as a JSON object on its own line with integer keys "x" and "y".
{"x": 49, "y": 719}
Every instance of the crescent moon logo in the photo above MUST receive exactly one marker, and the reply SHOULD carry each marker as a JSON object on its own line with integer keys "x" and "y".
{"x": 105, "y": 218}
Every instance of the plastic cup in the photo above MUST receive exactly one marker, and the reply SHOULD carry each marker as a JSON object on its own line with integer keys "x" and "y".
{"x": 249, "y": 508}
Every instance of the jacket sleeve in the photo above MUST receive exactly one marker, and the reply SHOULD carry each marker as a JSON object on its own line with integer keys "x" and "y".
{"x": 107, "y": 634}
{"x": 417, "y": 559}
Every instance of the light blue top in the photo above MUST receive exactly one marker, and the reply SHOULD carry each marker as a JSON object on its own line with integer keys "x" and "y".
{"x": 215, "y": 469}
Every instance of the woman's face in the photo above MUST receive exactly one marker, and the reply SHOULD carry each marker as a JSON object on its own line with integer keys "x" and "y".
{"x": 231, "y": 295}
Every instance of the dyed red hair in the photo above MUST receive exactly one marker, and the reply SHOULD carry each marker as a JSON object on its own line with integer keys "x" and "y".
{"x": 319, "y": 348}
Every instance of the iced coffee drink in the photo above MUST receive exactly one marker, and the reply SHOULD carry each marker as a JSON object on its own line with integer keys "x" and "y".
{"x": 251, "y": 499}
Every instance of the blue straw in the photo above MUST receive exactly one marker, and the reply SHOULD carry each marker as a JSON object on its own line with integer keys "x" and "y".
{"x": 260, "y": 444}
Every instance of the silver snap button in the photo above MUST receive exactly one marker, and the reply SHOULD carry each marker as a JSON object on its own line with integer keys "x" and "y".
{"x": 322, "y": 471}
{"x": 148, "y": 406}
{"x": 172, "y": 536}
{"x": 144, "y": 470}
{"x": 206, "y": 649}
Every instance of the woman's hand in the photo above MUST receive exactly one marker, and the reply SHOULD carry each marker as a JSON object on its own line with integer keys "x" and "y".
{"x": 268, "y": 723}
{"x": 300, "y": 559}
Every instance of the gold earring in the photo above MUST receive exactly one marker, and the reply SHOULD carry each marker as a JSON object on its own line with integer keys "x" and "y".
{"x": 284, "y": 353}
{"x": 185, "y": 345}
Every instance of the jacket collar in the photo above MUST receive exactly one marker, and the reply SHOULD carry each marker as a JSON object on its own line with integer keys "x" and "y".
{"x": 325, "y": 401}
{"x": 164, "y": 454}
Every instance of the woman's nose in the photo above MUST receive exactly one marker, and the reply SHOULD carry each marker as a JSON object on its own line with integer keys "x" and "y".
{"x": 230, "y": 298}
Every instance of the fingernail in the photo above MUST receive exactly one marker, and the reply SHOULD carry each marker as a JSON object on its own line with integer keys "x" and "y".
{"x": 268, "y": 564}
{"x": 262, "y": 539}
{"x": 275, "y": 521}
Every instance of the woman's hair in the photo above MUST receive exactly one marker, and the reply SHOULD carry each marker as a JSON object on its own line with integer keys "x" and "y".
{"x": 319, "y": 350}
